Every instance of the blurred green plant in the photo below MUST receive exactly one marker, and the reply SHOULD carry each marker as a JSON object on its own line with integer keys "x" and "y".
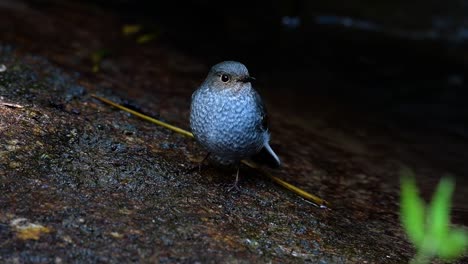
{"x": 146, "y": 38}
{"x": 142, "y": 38}
{"x": 429, "y": 228}
{"x": 97, "y": 57}
{"x": 131, "y": 29}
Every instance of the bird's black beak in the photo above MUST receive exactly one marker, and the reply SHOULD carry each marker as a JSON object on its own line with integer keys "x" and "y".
{"x": 247, "y": 79}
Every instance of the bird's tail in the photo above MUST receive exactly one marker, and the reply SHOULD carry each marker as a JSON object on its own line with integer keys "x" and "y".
{"x": 267, "y": 156}
{"x": 273, "y": 154}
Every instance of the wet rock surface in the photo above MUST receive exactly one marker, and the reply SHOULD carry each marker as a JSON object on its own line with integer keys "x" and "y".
{"x": 83, "y": 182}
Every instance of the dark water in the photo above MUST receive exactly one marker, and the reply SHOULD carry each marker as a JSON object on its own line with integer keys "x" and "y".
{"x": 407, "y": 58}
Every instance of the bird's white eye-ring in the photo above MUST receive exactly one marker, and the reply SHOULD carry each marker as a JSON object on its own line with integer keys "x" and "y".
{"x": 225, "y": 78}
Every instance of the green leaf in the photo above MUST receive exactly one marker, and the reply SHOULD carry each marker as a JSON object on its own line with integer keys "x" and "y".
{"x": 454, "y": 245}
{"x": 438, "y": 217}
{"x": 412, "y": 209}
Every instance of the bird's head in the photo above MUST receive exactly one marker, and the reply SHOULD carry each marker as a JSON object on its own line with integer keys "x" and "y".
{"x": 229, "y": 75}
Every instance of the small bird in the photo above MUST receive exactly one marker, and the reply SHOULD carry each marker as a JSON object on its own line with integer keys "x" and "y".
{"x": 228, "y": 117}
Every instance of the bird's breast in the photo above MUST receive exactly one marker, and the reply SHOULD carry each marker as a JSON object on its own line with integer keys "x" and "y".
{"x": 226, "y": 123}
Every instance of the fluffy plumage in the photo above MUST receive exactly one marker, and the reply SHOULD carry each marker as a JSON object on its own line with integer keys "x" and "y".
{"x": 228, "y": 117}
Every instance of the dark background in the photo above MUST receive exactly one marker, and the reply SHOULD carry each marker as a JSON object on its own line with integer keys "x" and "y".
{"x": 396, "y": 57}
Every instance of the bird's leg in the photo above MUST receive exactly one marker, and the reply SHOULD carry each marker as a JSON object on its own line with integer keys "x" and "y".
{"x": 199, "y": 166}
{"x": 203, "y": 160}
{"x": 235, "y": 186}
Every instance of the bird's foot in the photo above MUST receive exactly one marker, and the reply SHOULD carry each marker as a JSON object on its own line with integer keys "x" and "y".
{"x": 235, "y": 186}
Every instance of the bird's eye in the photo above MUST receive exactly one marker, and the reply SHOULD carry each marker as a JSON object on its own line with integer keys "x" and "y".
{"x": 225, "y": 78}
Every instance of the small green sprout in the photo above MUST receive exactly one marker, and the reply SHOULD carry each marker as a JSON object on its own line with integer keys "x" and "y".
{"x": 146, "y": 38}
{"x": 97, "y": 57}
{"x": 429, "y": 228}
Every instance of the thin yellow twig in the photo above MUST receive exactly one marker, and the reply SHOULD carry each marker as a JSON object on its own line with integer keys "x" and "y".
{"x": 308, "y": 196}
{"x": 11, "y": 105}
{"x": 145, "y": 117}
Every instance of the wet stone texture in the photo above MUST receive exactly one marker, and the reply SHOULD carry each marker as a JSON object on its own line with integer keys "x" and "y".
{"x": 111, "y": 187}
{"x": 83, "y": 182}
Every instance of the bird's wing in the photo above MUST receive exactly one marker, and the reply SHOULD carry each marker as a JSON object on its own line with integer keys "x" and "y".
{"x": 266, "y": 154}
{"x": 262, "y": 110}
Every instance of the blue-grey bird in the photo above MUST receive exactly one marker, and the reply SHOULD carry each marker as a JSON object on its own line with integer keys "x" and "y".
{"x": 228, "y": 117}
